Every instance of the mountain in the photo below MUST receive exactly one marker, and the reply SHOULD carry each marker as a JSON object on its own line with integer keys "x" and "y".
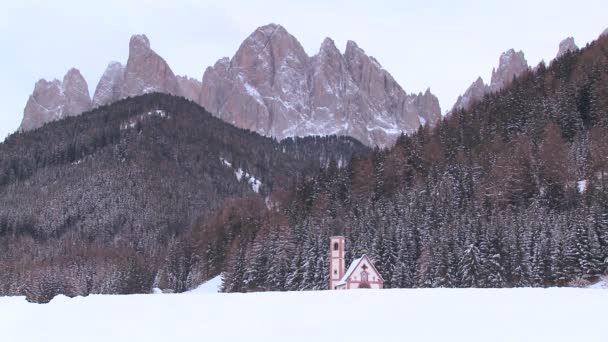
{"x": 511, "y": 64}
{"x": 109, "y": 88}
{"x": 124, "y": 179}
{"x": 510, "y": 192}
{"x": 566, "y": 45}
{"x": 154, "y": 191}
{"x": 146, "y": 71}
{"x": 273, "y": 87}
{"x": 474, "y": 93}
{"x": 189, "y": 87}
{"x": 270, "y": 86}
{"x": 56, "y": 100}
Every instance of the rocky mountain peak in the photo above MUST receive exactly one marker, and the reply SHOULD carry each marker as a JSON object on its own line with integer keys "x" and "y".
{"x": 273, "y": 87}
{"x": 76, "y": 92}
{"x": 146, "y": 71}
{"x": 139, "y": 42}
{"x": 328, "y": 47}
{"x": 605, "y": 33}
{"x": 270, "y": 86}
{"x": 110, "y": 85}
{"x": 473, "y": 93}
{"x": 352, "y": 49}
{"x": 54, "y": 100}
{"x": 566, "y": 45}
{"x": 511, "y": 64}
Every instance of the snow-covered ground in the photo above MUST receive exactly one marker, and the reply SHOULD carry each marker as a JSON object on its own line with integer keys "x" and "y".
{"x": 357, "y": 315}
{"x": 213, "y": 285}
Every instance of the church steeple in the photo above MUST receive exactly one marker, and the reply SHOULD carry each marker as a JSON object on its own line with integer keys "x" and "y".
{"x": 336, "y": 260}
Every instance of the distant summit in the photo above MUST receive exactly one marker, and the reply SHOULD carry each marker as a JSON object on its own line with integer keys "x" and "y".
{"x": 273, "y": 87}
{"x": 270, "y": 86}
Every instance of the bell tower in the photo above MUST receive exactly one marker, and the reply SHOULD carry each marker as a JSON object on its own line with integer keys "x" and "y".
{"x": 336, "y": 260}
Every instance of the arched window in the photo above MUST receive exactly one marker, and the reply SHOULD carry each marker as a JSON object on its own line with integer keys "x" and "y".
{"x": 364, "y": 275}
{"x": 335, "y": 246}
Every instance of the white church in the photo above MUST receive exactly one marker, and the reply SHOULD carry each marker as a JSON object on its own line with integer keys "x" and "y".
{"x": 360, "y": 274}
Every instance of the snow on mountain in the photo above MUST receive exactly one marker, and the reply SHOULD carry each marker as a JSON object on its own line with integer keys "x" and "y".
{"x": 110, "y": 85}
{"x": 556, "y": 314}
{"x": 273, "y": 87}
{"x": 55, "y": 100}
{"x": 239, "y": 173}
{"x": 270, "y": 86}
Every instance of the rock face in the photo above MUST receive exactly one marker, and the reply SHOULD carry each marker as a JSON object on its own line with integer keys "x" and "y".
{"x": 510, "y": 64}
{"x": 273, "y": 87}
{"x": 146, "y": 71}
{"x": 475, "y": 92}
{"x": 566, "y": 45}
{"x": 55, "y": 100}
{"x": 189, "y": 88}
{"x": 110, "y": 85}
{"x": 270, "y": 86}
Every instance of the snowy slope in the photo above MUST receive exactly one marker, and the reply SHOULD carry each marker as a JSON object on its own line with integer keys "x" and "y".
{"x": 213, "y": 285}
{"x": 394, "y": 315}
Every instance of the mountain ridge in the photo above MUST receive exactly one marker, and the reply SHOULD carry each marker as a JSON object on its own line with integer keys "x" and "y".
{"x": 303, "y": 105}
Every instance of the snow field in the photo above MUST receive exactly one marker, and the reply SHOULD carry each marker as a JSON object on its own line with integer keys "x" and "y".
{"x": 358, "y": 315}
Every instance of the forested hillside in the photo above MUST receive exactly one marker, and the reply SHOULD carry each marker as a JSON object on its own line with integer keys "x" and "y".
{"x": 512, "y": 192}
{"x": 154, "y": 192}
{"x": 92, "y": 204}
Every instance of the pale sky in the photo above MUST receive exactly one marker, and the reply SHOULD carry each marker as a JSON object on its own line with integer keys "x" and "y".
{"x": 443, "y": 44}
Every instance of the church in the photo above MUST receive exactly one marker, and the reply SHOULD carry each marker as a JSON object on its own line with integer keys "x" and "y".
{"x": 360, "y": 274}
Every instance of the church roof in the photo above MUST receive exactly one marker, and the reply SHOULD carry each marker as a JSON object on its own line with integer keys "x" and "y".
{"x": 353, "y": 267}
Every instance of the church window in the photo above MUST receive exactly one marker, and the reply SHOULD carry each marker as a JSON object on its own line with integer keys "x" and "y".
{"x": 335, "y": 246}
{"x": 364, "y": 275}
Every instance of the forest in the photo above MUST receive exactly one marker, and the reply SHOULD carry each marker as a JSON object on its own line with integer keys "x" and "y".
{"x": 93, "y": 203}
{"x": 509, "y": 193}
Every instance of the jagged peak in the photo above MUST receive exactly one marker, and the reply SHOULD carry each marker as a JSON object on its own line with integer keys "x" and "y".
{"x": 44, "y": 83}
{"x": 328, "y": 43}
{"x": 186, "y": 77}
{"x": 352, "y": 47}
{"x": 267, "y": 33}
{"x": 139, "y": 40}
{"x": 225, "y": 61}
{"x": 328, "y": 47}
{"x": 73, "y": 72}
{"x": 271, "y": 28}
{"x": 74, "y": 78}
{"x": 509, "y": 55}
{"x": 114, "y": 65}
{"x": 566, "y": 45}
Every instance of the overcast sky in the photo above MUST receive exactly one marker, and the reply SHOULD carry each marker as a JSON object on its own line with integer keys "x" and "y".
{"x": 443, "y": 45}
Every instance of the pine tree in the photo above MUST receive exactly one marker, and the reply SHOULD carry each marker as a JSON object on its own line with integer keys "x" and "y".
{"x": 470, "y": 267}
